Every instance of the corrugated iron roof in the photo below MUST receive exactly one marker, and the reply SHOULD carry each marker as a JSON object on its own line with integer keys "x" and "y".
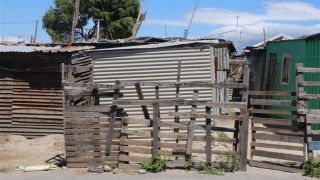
{"x": 161, "y": 45}
{"x": 31, "y": 49}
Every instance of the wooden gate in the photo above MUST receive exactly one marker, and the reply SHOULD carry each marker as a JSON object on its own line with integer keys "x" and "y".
{"x": 92, "y": 131}
{"x": 182, "y": 137}
{"x": 277, "y": 137}
{"x": 309, "y": 116}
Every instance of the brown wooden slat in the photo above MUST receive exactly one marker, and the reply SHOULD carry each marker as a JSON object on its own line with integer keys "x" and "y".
{"x": 277, "y": 146}
{"x": 266, "y": 165}
{"x": 274, "y": 137}
{"x": 275, "y": 155}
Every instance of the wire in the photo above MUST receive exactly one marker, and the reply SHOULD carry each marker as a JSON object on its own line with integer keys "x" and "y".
{"x": 19, "y": 22}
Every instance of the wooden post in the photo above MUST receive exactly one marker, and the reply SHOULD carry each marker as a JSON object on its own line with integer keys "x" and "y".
{"x": 176, "y": 108}
{"x": 244, "y": 131}
{"x": 191, "y": 126}
{"x": 302, "y": 104}
{"x": 140, "y": 96}
{"x": 112, "y": 118}
{"x": 95, "y": 93}
{"x": 208, "y": 137}
{"x": 155, "y": 124}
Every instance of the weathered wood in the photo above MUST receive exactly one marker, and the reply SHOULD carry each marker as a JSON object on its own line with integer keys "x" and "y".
{"x": 202, "y": 115}
{"x": 279, "y": 131}
{"x": 186, "y": 84}
{"x": 89, "y": 86}
{"x": 155, "y": 124}
{"x": 277, "y": 146}
{"x": 208, "y": 137}
{"x": 313, "y": 118}
{"x": 308, "y": 111}
{"x": 113, "y": 117}
{"x": 308, "y": 70}
{"x": 77, "y": 69}
{"x": 191, "y": 126}
{"x": 266, "y": 165}
{"x": 273, "y": 111}
{"x": 135, "y": 159}
{"x": 140, "y": 96}
{"x": 270, "y": 102}
{"x": 271, "y": 93}
{"x": 309, "y": 96}
{"x": 273, "y": 121}
{"x": 238, "y": 62}
{"x": 309, "y": 83}
{"x": 98, "y": 108}
{"x": 274, "y": 137}
{"x": 182, "y": 102}
{"x": 176, "y": 108}
{"x": 275, "y": 155}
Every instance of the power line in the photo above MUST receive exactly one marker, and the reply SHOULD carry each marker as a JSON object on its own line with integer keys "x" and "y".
{"x": 19, "y": 22}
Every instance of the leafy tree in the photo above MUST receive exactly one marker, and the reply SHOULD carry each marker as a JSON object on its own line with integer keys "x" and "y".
{"x": 118, "y": 16}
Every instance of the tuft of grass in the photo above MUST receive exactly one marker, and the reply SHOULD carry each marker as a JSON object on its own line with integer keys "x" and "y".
{"x": 206, "y": 169}
{"x": 229, "y": 163}
{"x": 156, "y": 165}
{"x": 312, "y": 168}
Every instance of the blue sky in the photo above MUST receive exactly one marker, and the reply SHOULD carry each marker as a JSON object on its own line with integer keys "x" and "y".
{"x": 213, "y": 17}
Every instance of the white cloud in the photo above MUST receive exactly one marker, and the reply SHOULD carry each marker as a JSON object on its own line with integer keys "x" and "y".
{"x": 11, "y": 38}
{"x": 283, "y": 11}
{"x": 166, "y": 22}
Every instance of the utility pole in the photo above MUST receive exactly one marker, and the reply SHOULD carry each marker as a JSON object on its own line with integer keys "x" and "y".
{"x": 194, "y": 11}
{"x": 35, "y": 33}
{"x": 139, "y": 20}
{"x": 237, "y": 26}
{"x": 98, "y": 28}
{"x": 165, "y": 31}
{"x": 75, "y": 19}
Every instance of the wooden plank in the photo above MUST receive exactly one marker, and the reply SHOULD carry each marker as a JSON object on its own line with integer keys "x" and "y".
{"x": 308, "y": 111}
{"x": 309, "y": 83}
{"x": 186, "y": 84}
{"x": 176, "y": 108}
{"x": 208, "y": 137}
{"x": 134, "y": 159}
{"x": 130, "y": 167}
{"x": 271, "y": 102}
{"x": 313, "y": 118}
{"x": 276, "y": 155}
{"x": 308, "y": 70}
{"x": 155, "y": 125}
{"x": 140, "y": 96}
{"x": 274, "y": 137}
{"x": 89, "y": 86}
{"x": 273, "y": 121}
{"x": 271, "y": 93}
{"x": 273, "y": 111}
{"x": 277, "y": 146}
{"x": 203, "y": 115}
{"x": 113, "y": 113}
{"x": 266, "y": 165}
{"x": 77, "y": 69}
{"x": 309, "y": 96}
{"x": 314, "y": 145}
{"x": 90, "y": 108}
{"x": 191, "y": 126}
{"x": 279, "y": 131}
{"x": 182, "y": 102}
{"x": 143, "y": 150}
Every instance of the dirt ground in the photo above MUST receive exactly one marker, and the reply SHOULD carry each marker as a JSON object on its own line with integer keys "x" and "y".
{"x": 17, "y": 150}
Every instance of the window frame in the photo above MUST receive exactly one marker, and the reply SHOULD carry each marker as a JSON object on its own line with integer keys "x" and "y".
{"x": 286, "y": 57}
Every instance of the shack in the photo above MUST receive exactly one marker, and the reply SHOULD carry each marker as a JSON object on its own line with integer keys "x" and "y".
{"x": 31, "y": 95}
{"x": 185, "y": 61}
{"x": 281, "y": 58}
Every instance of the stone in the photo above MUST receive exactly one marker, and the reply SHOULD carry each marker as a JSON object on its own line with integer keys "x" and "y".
{"x": 95, "y": 169}
{"x": 115, "y": 171}
{"x": 142, "y": 171}
{"x": 107, "y": 168}
{"x": 64, "y": 167}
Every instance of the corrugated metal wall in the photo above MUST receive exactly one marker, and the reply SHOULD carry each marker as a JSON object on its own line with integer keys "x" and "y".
{"x": 159, "y": 64}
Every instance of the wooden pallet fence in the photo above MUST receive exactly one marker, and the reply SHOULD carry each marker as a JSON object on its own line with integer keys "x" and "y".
{"x": 277, "y": 135}
{"x": 306, "y": 115}
{"x": 180, "y": 141}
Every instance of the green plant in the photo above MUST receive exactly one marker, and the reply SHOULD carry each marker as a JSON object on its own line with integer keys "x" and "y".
{"x": 157, "y": 164}
{"x": 206, "y": 169}
{"x": 4, "y": 170}
{"x": 189, "y": 164}
{"x": 229, "y": 163}
{"x": 312, "y": 168}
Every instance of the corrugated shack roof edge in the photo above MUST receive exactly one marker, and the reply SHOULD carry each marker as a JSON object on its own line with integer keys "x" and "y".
{"x": 41, "y": 50}
{"x": 171, "y": 44}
